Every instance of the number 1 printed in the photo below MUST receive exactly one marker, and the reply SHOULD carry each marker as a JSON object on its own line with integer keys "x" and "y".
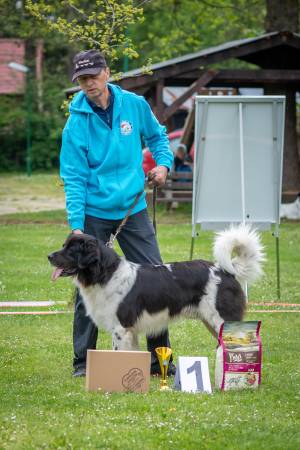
{"x": 196, "y": 367}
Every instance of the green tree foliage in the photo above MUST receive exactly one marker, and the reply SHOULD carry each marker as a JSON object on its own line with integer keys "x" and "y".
{"x": 16, "y": 22}
{"x": 170, "y": 28}
{"x": 46, "y": 129}
{"x": 177, "y": 27}
{"x": 101, "y": 24}
{"x": 66, "y": 27}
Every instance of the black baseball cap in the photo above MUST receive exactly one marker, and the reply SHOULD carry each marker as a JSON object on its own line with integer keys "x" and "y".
{"x": 89, "y": 62}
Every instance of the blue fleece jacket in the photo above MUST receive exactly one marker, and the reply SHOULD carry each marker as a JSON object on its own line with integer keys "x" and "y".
{"x": 101, "y": 166}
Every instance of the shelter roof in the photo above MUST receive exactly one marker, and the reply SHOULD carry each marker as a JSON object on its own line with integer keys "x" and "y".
{"x": 245, "y": 49}
{"x": 276, "y": 50}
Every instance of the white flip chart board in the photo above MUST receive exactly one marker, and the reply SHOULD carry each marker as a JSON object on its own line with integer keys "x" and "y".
{"x": 238, "y": 160}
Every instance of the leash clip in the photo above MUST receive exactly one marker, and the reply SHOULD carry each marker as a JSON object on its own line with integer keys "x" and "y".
{"x": 110, "y": 242}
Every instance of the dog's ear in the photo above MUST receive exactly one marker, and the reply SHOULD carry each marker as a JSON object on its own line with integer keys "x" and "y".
{"x": 89, "y": 254}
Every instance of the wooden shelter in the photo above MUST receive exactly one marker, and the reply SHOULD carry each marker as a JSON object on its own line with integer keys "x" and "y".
{"x": 277, "y": 57}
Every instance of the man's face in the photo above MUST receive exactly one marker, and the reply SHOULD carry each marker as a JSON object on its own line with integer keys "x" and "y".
{"x": 94, "y": 85}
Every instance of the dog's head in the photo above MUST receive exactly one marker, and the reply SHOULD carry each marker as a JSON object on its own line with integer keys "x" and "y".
{"x": 83, "y": 256}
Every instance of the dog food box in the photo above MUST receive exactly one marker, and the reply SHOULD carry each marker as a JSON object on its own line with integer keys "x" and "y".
{"x": 118, "y": 371}
{"x": 239, "y": 355}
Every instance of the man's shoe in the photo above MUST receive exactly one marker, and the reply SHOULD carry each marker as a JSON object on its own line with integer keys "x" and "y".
{"x": 79, "y": 372}
{"x": 155, "y": 369}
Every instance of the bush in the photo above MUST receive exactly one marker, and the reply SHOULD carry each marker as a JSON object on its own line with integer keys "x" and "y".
{"x": 46, "y": 128}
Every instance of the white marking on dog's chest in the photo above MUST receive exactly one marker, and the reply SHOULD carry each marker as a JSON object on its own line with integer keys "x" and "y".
{"x": 153, "y": 324}
{"x": 101, "y": 302}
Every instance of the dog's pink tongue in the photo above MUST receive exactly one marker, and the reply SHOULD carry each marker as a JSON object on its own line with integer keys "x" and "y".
{"x": 56, "y": 274}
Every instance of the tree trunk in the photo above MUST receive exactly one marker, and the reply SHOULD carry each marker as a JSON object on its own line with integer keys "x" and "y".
{"x": 284, "y": 16}
{"x": 39, "y": 51}
{"x": 291, "y": 172}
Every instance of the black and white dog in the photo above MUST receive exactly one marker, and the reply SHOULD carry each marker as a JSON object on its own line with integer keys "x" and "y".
{"x": 127, "y": 299}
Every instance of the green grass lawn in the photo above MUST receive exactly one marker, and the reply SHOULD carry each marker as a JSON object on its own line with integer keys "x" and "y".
{"x": 42, "y": 406}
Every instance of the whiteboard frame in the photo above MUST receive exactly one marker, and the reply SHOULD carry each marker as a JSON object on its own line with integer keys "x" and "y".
{"x": 278, "y": 119}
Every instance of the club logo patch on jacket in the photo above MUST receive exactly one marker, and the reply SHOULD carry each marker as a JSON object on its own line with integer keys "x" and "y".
{"x": 126, "y": 127}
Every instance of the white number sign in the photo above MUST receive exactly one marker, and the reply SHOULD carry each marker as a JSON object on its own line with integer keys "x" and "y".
{"x": 192, "y": 374}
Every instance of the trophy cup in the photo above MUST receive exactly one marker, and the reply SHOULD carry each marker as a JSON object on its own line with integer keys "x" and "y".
{"x": 164, "y": 354}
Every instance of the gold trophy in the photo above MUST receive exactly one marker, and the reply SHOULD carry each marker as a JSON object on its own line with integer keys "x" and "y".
{"x": 164, "y": 354}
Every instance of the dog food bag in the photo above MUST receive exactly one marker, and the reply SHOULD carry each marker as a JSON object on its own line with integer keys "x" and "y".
{"x": 239, "y": 353}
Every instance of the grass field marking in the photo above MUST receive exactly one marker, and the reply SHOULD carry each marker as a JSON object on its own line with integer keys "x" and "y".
{"x": 25, "y": 304}
{"x": 297, "y": 305}
{"x": 45, "y": 303}
{"x": 274, "y": 311}
{"x": 39, "y": 313}
{"x": 33, "y": 313}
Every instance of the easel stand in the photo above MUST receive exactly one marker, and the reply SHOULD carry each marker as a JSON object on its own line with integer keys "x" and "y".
{"x": 276, "y": 235}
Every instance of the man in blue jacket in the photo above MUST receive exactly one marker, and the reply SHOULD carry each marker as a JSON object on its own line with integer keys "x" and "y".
{"x": 101, "y": 166}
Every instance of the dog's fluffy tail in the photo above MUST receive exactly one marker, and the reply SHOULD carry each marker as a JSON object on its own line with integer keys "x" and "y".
{"x": 238, "y": 250}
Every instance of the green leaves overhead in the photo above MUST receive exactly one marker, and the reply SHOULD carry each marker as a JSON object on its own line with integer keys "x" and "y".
{"x": 177, "y": 27}
{"x": 101, "y": 25}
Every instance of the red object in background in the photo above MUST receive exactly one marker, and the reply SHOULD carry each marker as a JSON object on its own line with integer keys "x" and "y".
{"x": 11, "y": 80}
{"x": 174, "y": 138}
{"x": 148, "y": 161}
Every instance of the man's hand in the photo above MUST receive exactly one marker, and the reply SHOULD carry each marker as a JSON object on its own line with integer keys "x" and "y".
{"x": 157, "y": 176}
{"x": 77, "y": 231}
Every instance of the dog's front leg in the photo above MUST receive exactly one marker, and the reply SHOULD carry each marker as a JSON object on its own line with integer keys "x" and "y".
{"x": 135, "y": 342}
{"x": 124, "y": 339}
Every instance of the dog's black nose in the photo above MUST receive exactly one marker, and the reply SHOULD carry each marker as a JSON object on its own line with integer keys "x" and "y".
{"x": 50, "y": 256}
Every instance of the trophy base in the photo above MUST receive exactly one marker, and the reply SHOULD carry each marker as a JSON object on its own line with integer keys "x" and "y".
{"x": 164, "y": 387}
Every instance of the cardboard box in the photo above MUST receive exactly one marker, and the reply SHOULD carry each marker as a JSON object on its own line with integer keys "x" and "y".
{"x": 118, "y": 371}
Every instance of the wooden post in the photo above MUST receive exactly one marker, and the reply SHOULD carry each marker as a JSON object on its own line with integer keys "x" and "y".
{"x": 188, "y": 130}
{"x": 202, "y": 81}
{"x": 159, "y": 103}
{"x": 39, "y": 49}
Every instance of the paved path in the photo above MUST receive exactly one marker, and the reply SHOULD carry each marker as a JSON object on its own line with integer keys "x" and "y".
{"x": 24, "y": 204}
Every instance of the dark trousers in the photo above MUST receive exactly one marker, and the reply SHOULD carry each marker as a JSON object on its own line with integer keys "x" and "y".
{"x": 138, "y": 243}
